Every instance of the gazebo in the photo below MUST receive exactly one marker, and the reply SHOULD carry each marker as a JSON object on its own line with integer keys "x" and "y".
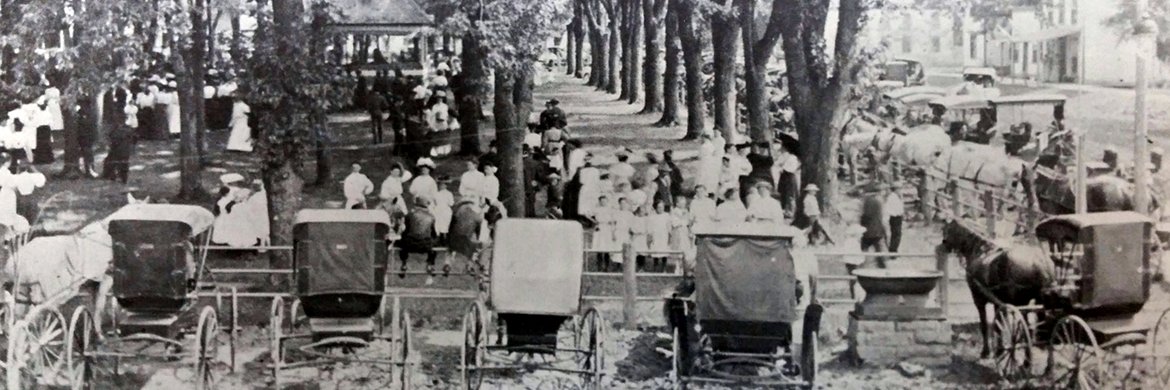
{"x": 398, "y": 29}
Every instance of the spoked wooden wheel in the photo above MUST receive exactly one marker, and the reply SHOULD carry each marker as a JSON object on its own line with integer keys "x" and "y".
{"x": 207, "y": 349}
{"x": 1158, "y": 374}
{"x": 679, "y": 359}
{"x": 79, "y": 365}
{"x": 1074, "y": 357}
{"x": 404, "y": 351}
{"x": 42, "y": 349}
{"x": 474, "y": 343}
{"x": 276, "y": 333}
{"x": 1013, "y": 344}
{"x": 296, "y": 317}
{"x": 592, "y": 337}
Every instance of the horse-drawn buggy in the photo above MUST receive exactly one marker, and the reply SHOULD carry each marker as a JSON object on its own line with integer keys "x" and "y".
{"x": 31, "y": 323}
{"x": 157, "y": 274}
{"x": 530, "y": 319}
{"x": 739, "y": 321}
{"x": 1089, "y": 315}
{"x": 339, "y": 304}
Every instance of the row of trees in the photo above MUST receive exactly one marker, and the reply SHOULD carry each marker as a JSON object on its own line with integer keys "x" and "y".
{"x": 628, "y": 38}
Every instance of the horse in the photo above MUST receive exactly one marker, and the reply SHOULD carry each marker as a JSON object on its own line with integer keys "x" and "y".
{"x": 1056, "y": 195}
{"x": 1004, "y": 273}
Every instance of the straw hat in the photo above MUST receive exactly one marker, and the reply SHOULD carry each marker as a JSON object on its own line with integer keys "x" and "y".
{"x": 812, "y": 187}
{"x": 425, "y": 162}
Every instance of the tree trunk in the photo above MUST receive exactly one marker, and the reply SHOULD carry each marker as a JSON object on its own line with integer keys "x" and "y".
{"x": 472, "y": 84}
{"x": 635, "y": 73}
{"x": 597, "y": 66}
{"x": 724, "y": 38}
{"x": 189, "y": 69}
{"x": 282, "y": 180}
{"x": 652, "y": 32}
{"x": 692, "y": 51}
{"x": 571, "y": 44}
{"x": 671, "y": 79}
{"x": 511, "y": 173}
{"x": 237, "y": 48}
{"x": 626, "y": 49}
{"x": 579, "y": 57}
{"x": 614, "y": 52}
{"x": 757, "y": 48}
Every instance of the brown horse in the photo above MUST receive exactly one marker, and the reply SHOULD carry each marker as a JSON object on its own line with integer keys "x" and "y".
{"x": 1013, "y": 275}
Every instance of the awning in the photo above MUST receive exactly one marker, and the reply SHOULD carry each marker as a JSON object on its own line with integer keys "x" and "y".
{"x": 1048, "y": 34}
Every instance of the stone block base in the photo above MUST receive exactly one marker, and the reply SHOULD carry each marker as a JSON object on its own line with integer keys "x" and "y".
{"x": 885, "y": 343}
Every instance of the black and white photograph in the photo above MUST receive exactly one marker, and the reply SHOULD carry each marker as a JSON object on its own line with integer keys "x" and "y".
{"x": 584, "y": 194}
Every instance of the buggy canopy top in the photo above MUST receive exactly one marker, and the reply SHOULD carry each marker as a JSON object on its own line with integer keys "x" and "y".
{"x": 1069, "y": 227}
{"x": 988, "y": 72}
{"x": 342, "y": 216}
{"x": 196, "y": 218}
{"x": 537, "y": 265}
{"x": 961, "y": 102}
{"x": 745, "y": 272}
{"x": 1036, "y": 98}
{"x": 915, "y": 90}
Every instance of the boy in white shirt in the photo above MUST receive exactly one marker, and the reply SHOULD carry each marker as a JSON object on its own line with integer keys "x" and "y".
{"x": 491, "y": 184}
{"x": 895, "y": 210}
{"x": 702, "y": 206}
{"x": 357, "y": 187}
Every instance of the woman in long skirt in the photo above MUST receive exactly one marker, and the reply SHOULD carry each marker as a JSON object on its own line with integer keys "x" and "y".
{"x": 162, "y": 100}
{"x": 43, "y": 153}
{"x": 240, "y": 138}
{"x": 174, "y": 116}
{"x": 146, "y": 121}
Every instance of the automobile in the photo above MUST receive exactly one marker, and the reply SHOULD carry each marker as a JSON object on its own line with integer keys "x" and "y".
{"x": 907, "y": 71}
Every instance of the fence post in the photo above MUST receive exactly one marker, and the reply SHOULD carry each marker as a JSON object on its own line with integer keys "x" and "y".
{"x": 989, "y": 212}
{"x": 630, "y": 292}
{"x": 942, "y": 259}
{"x": 953, "y": 191}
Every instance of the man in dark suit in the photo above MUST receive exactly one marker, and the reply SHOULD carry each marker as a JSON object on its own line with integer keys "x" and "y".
{"x": 375, "y": 102}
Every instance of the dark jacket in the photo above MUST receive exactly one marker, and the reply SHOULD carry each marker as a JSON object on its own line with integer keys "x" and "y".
{"x": 420, "y": 229}
{"x": 375, "y": 103}
{"x": 872, "y": 215}
{"x": 464, "y": 232}
{"x": 553, "y": 118}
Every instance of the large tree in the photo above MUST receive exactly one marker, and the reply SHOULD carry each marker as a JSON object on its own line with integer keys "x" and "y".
{"x": 758, "y": 44}
{"x": 188, "y": 53}
{"x": 613, "y": 9}
{"x": 818, "y": 82}
{"x": 291, "y": 89}
{"x": 596, "y": 14}
{"x": 653, "y": 16}
{"x": 725, "y": 38}
{"x": 672, "y": 80}
{"x": 634, "y": 23}
{"x": 692, "y": 35}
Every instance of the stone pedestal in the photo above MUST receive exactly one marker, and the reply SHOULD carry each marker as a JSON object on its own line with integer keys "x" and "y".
{"x": 884, "y": 343}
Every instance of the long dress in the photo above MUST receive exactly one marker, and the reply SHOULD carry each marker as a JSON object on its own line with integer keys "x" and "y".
{"x": 53, "y": 104}
{"x": 43, "y": 152}
{"x": 258, "y": 211}
{"x": 605, "y": 238}
{"x": 658, "y": 227}
{"x": 174, "y": 115}
{"x": 146, "y": 112}
{"x": 161, "y": 127}
{"x": 639, "y": 231}
{"x": 444, "y": 200}
{"x": 240, "y": 139}
{"x": 232, "y": 227}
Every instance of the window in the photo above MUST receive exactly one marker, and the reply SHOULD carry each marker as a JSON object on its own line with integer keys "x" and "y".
{"x": 1072, "y": 14}
{"x": 1015, "y": 52}
{"x": 907, "y": 43}
{"x": 1060, "y": 11}
{"x": 974, "y": 52}
{"x": 957, "y": 35}
{"x": 936, "y": 44}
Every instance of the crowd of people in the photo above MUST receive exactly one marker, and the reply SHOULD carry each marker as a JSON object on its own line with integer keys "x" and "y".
{"x": 417, "y": 110}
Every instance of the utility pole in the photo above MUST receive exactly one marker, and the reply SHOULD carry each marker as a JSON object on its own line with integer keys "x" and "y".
{"x": 1082, "y": 196}
{"x": 1141, "y": 132}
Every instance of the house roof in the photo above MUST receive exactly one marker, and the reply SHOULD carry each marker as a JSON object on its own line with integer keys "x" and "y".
{"x": 381, "y": 15}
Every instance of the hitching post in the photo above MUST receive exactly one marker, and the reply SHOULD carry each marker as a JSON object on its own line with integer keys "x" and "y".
{"x": 941, "y": 257}
{"x": 630, "y": 292}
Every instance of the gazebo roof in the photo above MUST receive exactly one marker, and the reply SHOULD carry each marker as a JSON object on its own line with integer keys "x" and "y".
{"x": 400, "y": 17}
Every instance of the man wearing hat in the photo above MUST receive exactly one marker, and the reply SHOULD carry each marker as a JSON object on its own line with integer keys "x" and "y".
{"x": 873, "y": 219}
{"x": 552, "y": 117}
{"x": 375, "y": 103}
{"x": 812, "y": 211}
{"x": 419, "y": 235}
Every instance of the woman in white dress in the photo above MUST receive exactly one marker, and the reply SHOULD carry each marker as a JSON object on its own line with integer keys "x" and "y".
{"x": 442, "y": 208}
{"x": 240, "y": 139}
{"x": 258, "y": 211}
{"x": 639, "y": 231}
{"x": 605, "y": 238}
{"x": 53, "y": 104}
{"x": 233, "y": 226}
{"x": 174, "y": 114}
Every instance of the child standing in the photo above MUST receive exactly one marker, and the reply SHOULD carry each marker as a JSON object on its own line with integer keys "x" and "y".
{"x": 444, "y": 201}
{"x": 639, "y": 229}
{"x": 604, "y": 239}
{"x": 659, "y": 225}
{"x": 680, "y": 230}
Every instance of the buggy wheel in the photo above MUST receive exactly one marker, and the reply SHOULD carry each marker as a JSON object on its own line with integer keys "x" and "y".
{"x": 1074, "y": 357}
{"x": 1013, "y": 344}
{"x": 592, "y": 333}
{"x": 44, "y": 347}
{"x": 404, "y": 351}
{"x": 1159, "y": 349}
{"x": 276, "y": 333}
{"x": 296, "y": 317}
{"x": 78, "y": 365}
{"x": 474, "y": 343}
{"x": 207, "y": 349}
{"x": 809, "y": 368}
{"x": 678, "y": 360}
